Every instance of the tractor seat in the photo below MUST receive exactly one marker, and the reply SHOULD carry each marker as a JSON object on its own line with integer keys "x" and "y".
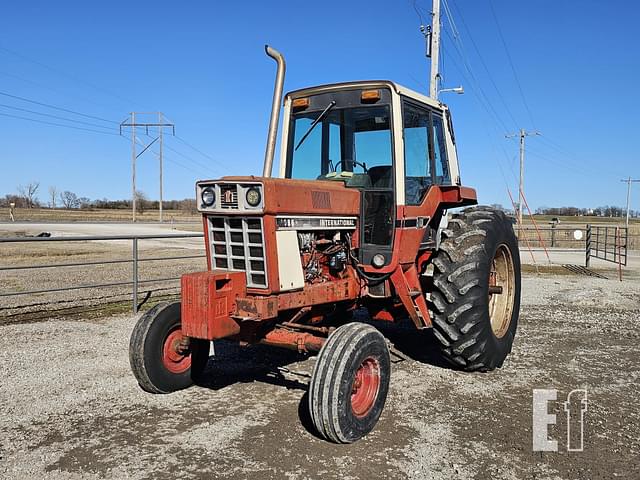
{"x": 381, "y": 176}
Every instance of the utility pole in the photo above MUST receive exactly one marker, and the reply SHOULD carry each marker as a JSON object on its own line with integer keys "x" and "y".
{"x": 432, "y": 36}
{"x": 522, "y": 134}
{"x": 160, "y": 161}
{"x": 133, "y": 163}
{"x": 629, "y": 181}
{"x": 160, "y": 124}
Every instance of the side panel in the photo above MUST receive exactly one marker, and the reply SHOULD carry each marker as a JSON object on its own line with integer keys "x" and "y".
{"x": 289, "y": 264}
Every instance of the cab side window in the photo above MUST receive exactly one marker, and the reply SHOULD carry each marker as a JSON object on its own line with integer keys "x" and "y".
{"x": 417, "y": 162}
{"x": 443, "y": 177}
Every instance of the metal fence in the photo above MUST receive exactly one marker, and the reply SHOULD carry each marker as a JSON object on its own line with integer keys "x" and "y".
{"x": 553, "y": 237}
{"x": 604, "y": 242}
{"x": 607, "y": 243}
{"x": 135, "y": 260}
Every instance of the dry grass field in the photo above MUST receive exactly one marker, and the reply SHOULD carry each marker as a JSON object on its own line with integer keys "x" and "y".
{"x": 94, "y": 215}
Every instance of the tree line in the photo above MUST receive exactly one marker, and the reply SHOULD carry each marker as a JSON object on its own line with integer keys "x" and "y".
{"x": 27, "y": 196}
{"x": 604, "y": 211}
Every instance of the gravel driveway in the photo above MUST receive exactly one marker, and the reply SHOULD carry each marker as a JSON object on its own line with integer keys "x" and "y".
{"x": 70, "y": 408}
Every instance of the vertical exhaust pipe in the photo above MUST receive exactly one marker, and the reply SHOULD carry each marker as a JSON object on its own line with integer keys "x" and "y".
{"x": 275, "y": 111}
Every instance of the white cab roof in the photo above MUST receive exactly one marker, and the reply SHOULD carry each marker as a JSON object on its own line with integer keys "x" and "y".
{"x": 399, "y": 89}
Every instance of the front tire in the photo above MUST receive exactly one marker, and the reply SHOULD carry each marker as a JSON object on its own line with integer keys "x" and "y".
{"x": 162, "y": 359}
{"x": 349, "y": 383}
{"x": 475, "y": 296}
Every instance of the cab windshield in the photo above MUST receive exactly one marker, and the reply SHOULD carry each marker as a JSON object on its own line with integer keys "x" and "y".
{"x": 350, "y": 143}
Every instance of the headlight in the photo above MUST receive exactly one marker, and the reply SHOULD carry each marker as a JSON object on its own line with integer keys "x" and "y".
{"x": 378, "y": 260}
{"x": 208, "y": 197}
{"x": 253, "y": 197}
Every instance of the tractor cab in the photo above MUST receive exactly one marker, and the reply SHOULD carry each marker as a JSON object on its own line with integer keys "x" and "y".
{"x": 387, "y": 141}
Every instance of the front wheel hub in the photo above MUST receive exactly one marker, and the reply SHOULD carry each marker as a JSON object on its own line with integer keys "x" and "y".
{"x": 176, "y": 356}
{"x": 366, "y": 385}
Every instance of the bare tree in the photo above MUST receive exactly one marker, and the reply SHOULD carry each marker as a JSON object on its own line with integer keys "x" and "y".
{"x": 69, "y": 200}
{"x": 84, "y": 203}
{"x": 28, "y": 193}
{"x": 53, "y": 196}
{"x": 142, "y": 201}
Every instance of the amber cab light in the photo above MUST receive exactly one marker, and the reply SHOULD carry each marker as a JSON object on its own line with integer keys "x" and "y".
{"x": 301, "y": 103}
{"x": 370, "y": 96}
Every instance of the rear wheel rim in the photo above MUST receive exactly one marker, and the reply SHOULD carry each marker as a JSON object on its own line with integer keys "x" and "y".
{"x": 176, "y": 356}
{"x": 365, "y": 388}
{"x": 502, "y": 275}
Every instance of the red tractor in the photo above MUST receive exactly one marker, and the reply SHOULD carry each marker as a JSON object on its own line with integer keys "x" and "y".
{"x": 356, "y": 218}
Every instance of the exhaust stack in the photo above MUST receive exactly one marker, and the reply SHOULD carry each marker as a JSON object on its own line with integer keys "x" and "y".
{"x": 275, "y": 110}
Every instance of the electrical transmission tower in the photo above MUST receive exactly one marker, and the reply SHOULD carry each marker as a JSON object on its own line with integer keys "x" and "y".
{"x": 159, "y": 125}
{"x": 522, "y": 134}
{"x": 629, "y": 181}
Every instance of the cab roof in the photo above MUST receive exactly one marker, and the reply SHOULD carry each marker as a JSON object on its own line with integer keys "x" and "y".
{"x": 399, "y": 89}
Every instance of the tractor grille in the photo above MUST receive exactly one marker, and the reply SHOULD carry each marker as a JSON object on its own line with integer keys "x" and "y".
{"x": 237, "y": 243}
{"x": 229, "y": 197}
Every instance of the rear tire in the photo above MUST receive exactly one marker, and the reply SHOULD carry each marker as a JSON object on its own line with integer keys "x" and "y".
{"x": 349, "y": 383}
{"x": 161, "y": 358}
{"x": 475, "y": 324}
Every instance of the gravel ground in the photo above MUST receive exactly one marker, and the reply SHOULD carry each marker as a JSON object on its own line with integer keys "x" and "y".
{"x": 70, "y": 408}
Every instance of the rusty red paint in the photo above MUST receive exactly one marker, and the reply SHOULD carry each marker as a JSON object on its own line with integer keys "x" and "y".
{"x": 257, "y": 308}
{"x": 208, "y": 301}
{"x": 300, "y": 341}
{"x": 365, "y": 388}
{"x": 320, "y": 293}
{"x": 408, "y": 288}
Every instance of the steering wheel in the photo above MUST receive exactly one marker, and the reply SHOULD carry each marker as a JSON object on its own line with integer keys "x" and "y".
{"x": 360, "y": 164}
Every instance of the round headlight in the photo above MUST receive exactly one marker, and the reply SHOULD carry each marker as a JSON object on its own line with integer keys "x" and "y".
{"x": 253, "y": 197}
{"x": 378, "y": 260}
{"x": 208, "y": 197}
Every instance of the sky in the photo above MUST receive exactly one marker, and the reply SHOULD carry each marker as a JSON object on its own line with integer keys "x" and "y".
{"x": 567, "y": 69}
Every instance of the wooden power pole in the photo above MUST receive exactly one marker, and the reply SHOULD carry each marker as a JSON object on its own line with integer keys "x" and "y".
{"x": 522, "y": 134}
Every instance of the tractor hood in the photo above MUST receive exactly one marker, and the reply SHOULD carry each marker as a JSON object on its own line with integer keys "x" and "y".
{"x": 261, "y": 195}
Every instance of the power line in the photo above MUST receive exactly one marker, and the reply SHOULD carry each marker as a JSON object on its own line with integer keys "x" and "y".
{"x": 483, "y": 63}
{"x": 57, "y": 108}
{"x": 199, "y": 151}
{"x": 415, "y": 7}
{"x": 513, "y": 68}
{"x": 576, "y": 160}
{"x": 56, "y": 124}
{"x": 474, "y": 84}
{"x": 54, "y": 116}
{"x": 494, "y": 121}
{"x": 139, "y": 142}
{"x": 186, "y": 157}
{"x": 65, "y": 74}
{"x": 50, "y": 88}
